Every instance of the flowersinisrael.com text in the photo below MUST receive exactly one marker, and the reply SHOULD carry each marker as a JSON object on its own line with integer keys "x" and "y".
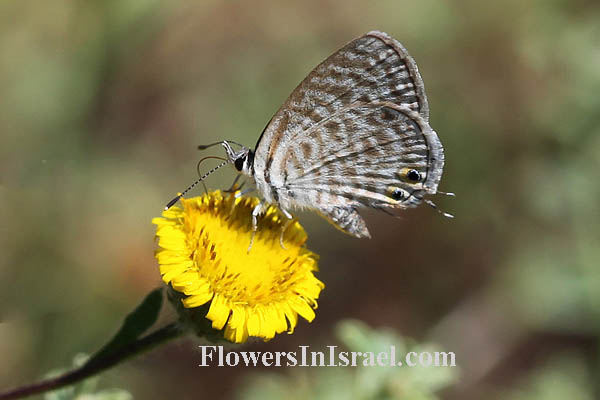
{"x": 218, "y": 356}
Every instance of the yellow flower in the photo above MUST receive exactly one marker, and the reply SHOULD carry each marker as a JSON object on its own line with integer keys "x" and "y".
{"x": 203, "y": 254}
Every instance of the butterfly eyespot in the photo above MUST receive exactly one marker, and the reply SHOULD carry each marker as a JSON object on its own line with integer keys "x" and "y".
{"x": 239, "y": 163}
{"x": 396, "y": 193}
{"x": 413, "y": 175}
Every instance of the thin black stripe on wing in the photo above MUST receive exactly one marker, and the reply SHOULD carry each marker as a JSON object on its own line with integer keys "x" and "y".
{"x": 362, "y": 159}
{"x": 374, "y": 67}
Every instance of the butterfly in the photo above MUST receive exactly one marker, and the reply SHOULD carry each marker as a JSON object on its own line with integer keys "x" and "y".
{"x": 354, "y": 133}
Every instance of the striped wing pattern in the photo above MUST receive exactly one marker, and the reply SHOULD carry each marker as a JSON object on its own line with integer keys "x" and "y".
{"x": 348, "y": 133}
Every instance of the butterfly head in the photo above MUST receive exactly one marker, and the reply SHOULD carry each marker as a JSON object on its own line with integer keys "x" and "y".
{"x": 241, "y": 159}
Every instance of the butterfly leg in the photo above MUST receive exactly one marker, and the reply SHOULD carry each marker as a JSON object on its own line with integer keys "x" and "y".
{"x": 290, "y": 219}
{"x": 239, "y": 193}
{"x": 259, "y": 209}
{"x": 243, "y": 192}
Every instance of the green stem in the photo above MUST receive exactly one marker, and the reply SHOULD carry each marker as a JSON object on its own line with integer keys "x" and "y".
{"x": 95, "y": 366}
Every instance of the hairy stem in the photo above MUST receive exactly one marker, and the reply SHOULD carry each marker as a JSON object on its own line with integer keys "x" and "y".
{"x": 95, "y": 366}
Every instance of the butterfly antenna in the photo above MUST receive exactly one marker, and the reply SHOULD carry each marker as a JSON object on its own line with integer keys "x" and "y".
{"x": 203, "y": 177}
{"x": 432, "y": 204}
{"x": 198, "y": 168}
{"x": 206, "y": 146}
{"x": 450, "y": 194}
{"x": 207, "y": 158}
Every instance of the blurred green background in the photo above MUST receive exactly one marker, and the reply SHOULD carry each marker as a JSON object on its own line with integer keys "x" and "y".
{"x": 103, "y": 102}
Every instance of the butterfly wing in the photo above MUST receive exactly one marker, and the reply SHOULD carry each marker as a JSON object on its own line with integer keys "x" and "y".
{"x": 379, "y": 155}
{"x": 347, "y": 132}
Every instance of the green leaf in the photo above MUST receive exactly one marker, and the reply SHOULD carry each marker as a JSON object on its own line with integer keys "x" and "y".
{"x": 135, "y": 324}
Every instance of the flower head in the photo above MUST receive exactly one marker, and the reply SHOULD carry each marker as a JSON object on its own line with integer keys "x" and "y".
{"x": 203, "y": 254}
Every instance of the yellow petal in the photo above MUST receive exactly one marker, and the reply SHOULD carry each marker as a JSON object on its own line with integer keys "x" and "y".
{"x": 203, "y": 254}
{"x": 197, "y": 300}
{"x": 218, "y": 312}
